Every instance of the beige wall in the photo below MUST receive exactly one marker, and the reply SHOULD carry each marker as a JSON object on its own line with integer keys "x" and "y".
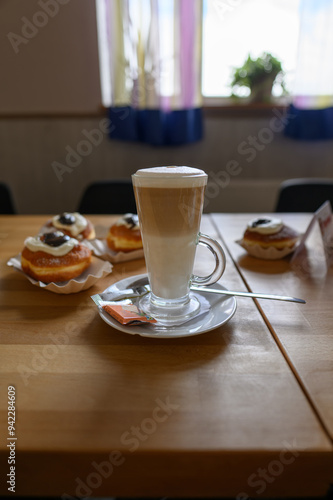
{"x": 30, "y": 146}
{"x": 57, "y": 72}
{"x": 51, "y": 68}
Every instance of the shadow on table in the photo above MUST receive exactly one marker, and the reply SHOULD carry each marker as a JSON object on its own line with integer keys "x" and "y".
{"x": 264, "y": 266}
{"x": 310, "y": 268}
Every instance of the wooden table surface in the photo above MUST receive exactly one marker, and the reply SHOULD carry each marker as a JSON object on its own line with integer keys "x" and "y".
{"x": 305, "y": 333}
{"x": 244, "y": 410}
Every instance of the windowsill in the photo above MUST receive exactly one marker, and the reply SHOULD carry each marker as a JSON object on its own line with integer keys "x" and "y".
{"x": 54, "y": 115}
{"x": 212, "y": 106}
{"x": 224, "y": 106}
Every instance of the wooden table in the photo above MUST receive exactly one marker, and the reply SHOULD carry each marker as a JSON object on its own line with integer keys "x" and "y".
{"x": 244, "y": 410}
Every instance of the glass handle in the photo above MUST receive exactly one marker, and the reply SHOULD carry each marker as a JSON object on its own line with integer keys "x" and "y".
{"x": 220, "y": 261}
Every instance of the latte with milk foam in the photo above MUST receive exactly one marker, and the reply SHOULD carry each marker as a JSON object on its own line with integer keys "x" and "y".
{"x": 169, "y": 202}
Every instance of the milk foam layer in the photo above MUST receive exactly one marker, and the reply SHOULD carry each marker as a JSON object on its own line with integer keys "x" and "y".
{"x": 172, "y": 176}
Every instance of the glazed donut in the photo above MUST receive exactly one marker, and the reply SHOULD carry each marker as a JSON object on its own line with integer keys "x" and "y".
{"x": 124, "y": 235}
{"x": 54, "y": 257}
{"x": 74, "y": 225}
{"x": 270, "y": 232}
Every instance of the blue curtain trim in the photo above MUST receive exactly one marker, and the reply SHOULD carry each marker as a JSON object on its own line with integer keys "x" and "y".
{"x": 156, "y": 127}
{"x": 309, "y": 124}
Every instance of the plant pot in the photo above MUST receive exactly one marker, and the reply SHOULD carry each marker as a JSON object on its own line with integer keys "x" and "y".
{"x": 262, "y": 91}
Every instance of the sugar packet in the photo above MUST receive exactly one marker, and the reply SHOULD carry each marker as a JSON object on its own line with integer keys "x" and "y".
{"x": 125, "y": 311}
{"x": 127, "y": 314}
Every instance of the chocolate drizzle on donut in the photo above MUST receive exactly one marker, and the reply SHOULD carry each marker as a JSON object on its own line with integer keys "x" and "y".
{"x": 66, "y": 219}
{"x": 260, "y": 222}
{"x": 132, "y": 220}
{"x": 55, "y": 239}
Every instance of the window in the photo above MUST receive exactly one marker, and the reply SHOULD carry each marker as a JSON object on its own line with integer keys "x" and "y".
{"x": 233, "y": 29}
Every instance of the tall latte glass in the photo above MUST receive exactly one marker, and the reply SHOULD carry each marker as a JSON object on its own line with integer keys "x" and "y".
{"x": 170, "y": 202}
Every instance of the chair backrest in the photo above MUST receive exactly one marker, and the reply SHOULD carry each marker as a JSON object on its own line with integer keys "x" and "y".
{"x": 304, "y": 195}
{"x": 6, "y": 201}
{"x": 108, "y": 197}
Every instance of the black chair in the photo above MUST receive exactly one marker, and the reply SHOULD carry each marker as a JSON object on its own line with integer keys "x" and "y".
{"x": 108, "y": 197}
{"x": 6, "y": 201}
{"x": 304, "y": 195}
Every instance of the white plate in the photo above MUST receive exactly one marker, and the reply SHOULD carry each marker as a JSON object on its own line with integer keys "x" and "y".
{"x": 221, "y": 310}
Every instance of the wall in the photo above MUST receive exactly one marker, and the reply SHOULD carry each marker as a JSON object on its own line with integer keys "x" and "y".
{"x": 49, "y": 62}
{"x": 30, "y": 146}
{"x": 54, "y": 74}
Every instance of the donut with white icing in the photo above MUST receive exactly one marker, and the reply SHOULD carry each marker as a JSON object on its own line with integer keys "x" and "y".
{"x": 125, "y": 235}
{"x": 270, "y": 232}
{"x": 54, "y": 257}
{"x": 73, "y": 224}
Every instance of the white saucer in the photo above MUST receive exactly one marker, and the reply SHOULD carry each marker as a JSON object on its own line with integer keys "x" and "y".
{"x": 221, "y": 309}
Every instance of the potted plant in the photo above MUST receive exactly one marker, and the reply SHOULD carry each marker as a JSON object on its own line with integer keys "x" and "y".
{"x": 259, "y": 76}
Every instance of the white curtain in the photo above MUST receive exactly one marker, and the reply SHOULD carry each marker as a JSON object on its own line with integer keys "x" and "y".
{"x": 150, "y": 52}
{"x": 314, "y": 72}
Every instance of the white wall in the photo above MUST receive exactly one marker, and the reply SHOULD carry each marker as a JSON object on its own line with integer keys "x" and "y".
{"x": 56, "y": 73}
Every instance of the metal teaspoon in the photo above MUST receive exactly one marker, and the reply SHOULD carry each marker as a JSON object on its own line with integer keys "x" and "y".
{"x": 248, "y": 294}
